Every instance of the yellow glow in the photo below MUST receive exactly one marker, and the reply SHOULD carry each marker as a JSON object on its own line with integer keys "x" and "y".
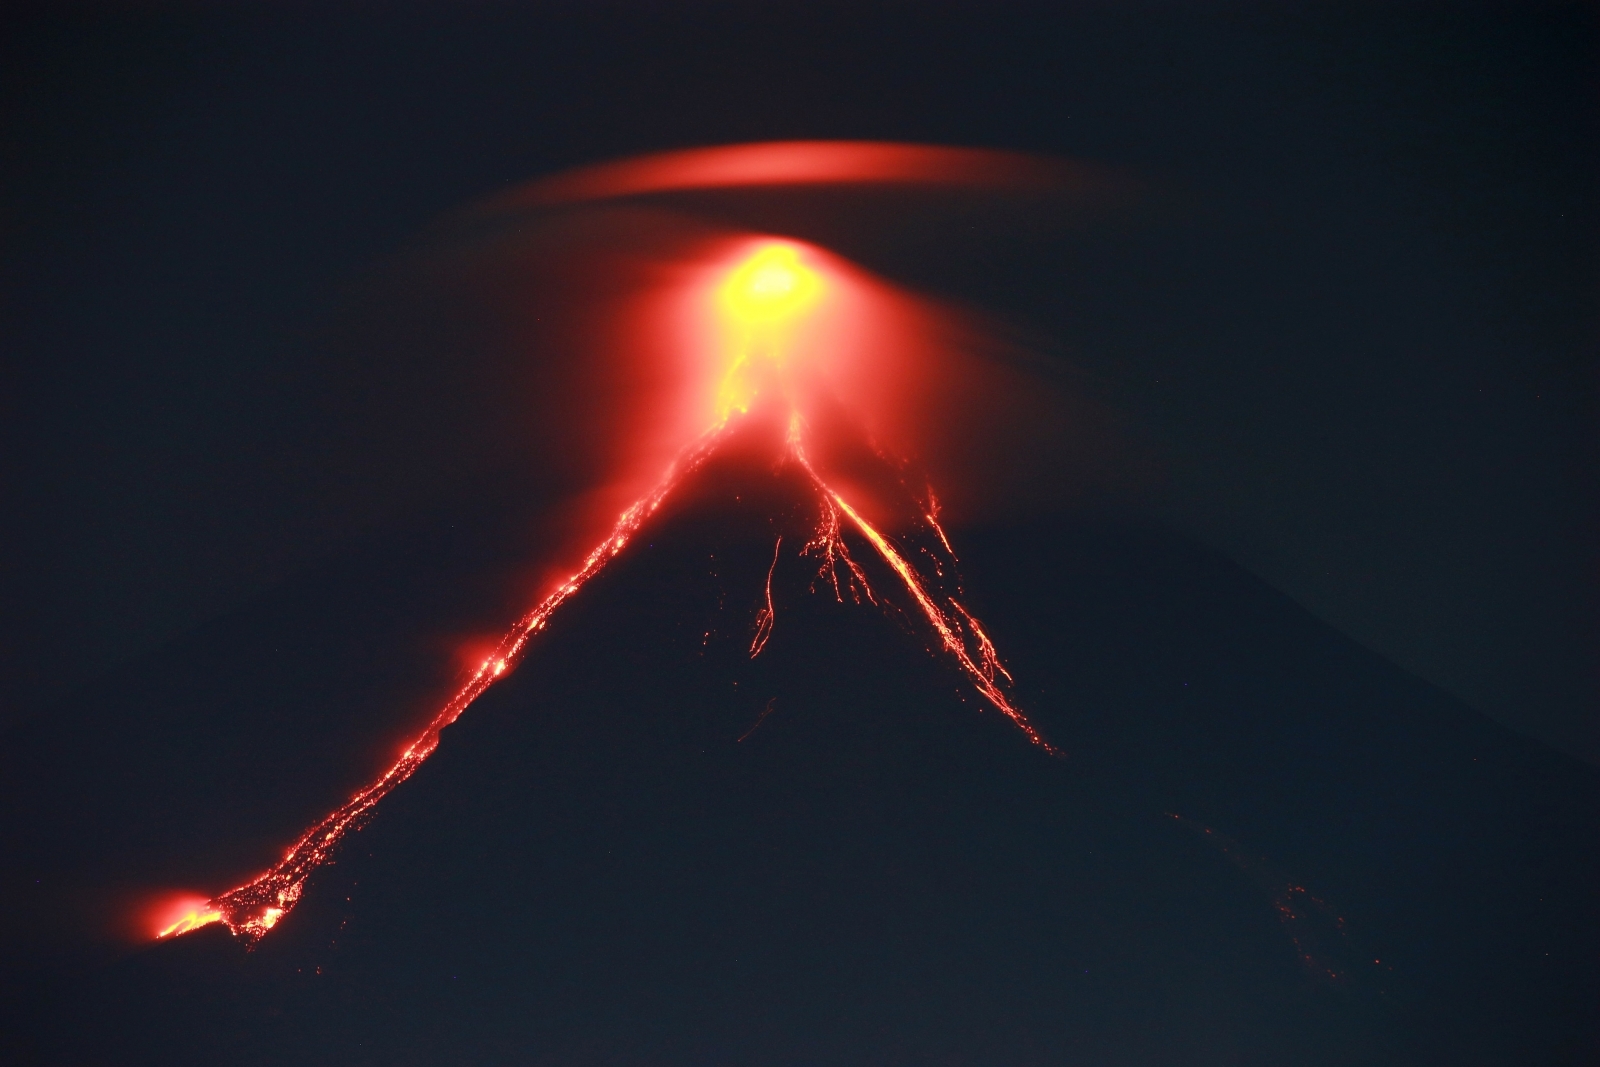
{"x": 770, "y": 287}
{"x": 761, "y": 300}
{"x": 193, "y": 920}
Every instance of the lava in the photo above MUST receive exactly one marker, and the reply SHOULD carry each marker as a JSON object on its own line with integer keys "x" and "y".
{"x": 180, "y": 914}
{"x": 255, "y": 907}
{"x": 959, "y": 632}
{"x": 767, "y": 615}
{"x": 760, "y": 301}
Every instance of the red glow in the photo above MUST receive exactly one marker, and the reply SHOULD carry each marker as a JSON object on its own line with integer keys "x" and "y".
{"x": 769, "y": 319}
{"x": 803, "y": 163}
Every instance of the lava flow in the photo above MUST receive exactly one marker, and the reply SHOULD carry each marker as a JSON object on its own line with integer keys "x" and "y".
{"x": 760, "y": 302}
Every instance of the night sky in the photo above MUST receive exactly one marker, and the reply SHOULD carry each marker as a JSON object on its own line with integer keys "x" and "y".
{"x": 1362, "y": 343}
{"x": 1343, "y": 331}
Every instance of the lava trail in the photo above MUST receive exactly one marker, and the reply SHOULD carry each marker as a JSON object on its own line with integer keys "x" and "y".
{"x": 255, "y": 907}
{"x": 766, "y": 616}
{"x": 955, "y": 627}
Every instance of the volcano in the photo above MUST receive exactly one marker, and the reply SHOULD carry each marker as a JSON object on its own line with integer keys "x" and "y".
{"x": 753, "y": 784}
{"x": 724, "y": 811}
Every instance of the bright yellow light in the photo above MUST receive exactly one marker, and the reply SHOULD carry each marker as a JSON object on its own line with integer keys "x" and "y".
{"x": 771, "y": 286}
{"x": 761, "y": 299}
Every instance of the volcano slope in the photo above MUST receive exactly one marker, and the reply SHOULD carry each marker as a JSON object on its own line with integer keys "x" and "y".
{"x": 1262, "y": 844}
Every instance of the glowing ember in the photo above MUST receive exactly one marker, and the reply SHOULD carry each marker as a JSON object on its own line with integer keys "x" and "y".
{"x": 1314, "y": 927}
{"x": 761, "y": 298}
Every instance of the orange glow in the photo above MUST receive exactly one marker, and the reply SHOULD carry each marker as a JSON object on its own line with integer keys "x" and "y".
{"x": 623, "y": 292}
{"x": 181, "y": 914}
{"x": 765, "y": 318}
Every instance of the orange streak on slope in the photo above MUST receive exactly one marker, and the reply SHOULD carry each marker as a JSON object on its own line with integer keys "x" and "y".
{"x": 983, "y": 670}
{"x": 932, "y": 515}
{"x": 766, "y": 616}
{"x": 255, "y": 907}
{"x": 196, "y": 917}
{"x": 831, "y": 547}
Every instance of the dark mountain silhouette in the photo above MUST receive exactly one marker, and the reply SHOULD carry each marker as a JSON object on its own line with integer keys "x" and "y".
{"x": 1264, "y": 844}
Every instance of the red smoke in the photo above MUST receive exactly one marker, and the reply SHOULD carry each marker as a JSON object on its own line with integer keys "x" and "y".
{"x": 803, "y": 163}
{"x": 626, "y": 350}
{"x": 596, "y": 347}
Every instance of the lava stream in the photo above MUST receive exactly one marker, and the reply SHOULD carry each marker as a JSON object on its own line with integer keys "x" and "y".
{"x": 766, "y": 616}
{"x": 985, "y": 670}
{"x": 255, "y": 907}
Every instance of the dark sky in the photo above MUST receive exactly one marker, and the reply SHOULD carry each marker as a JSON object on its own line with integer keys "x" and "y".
{"x": 1359, "y": 331}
